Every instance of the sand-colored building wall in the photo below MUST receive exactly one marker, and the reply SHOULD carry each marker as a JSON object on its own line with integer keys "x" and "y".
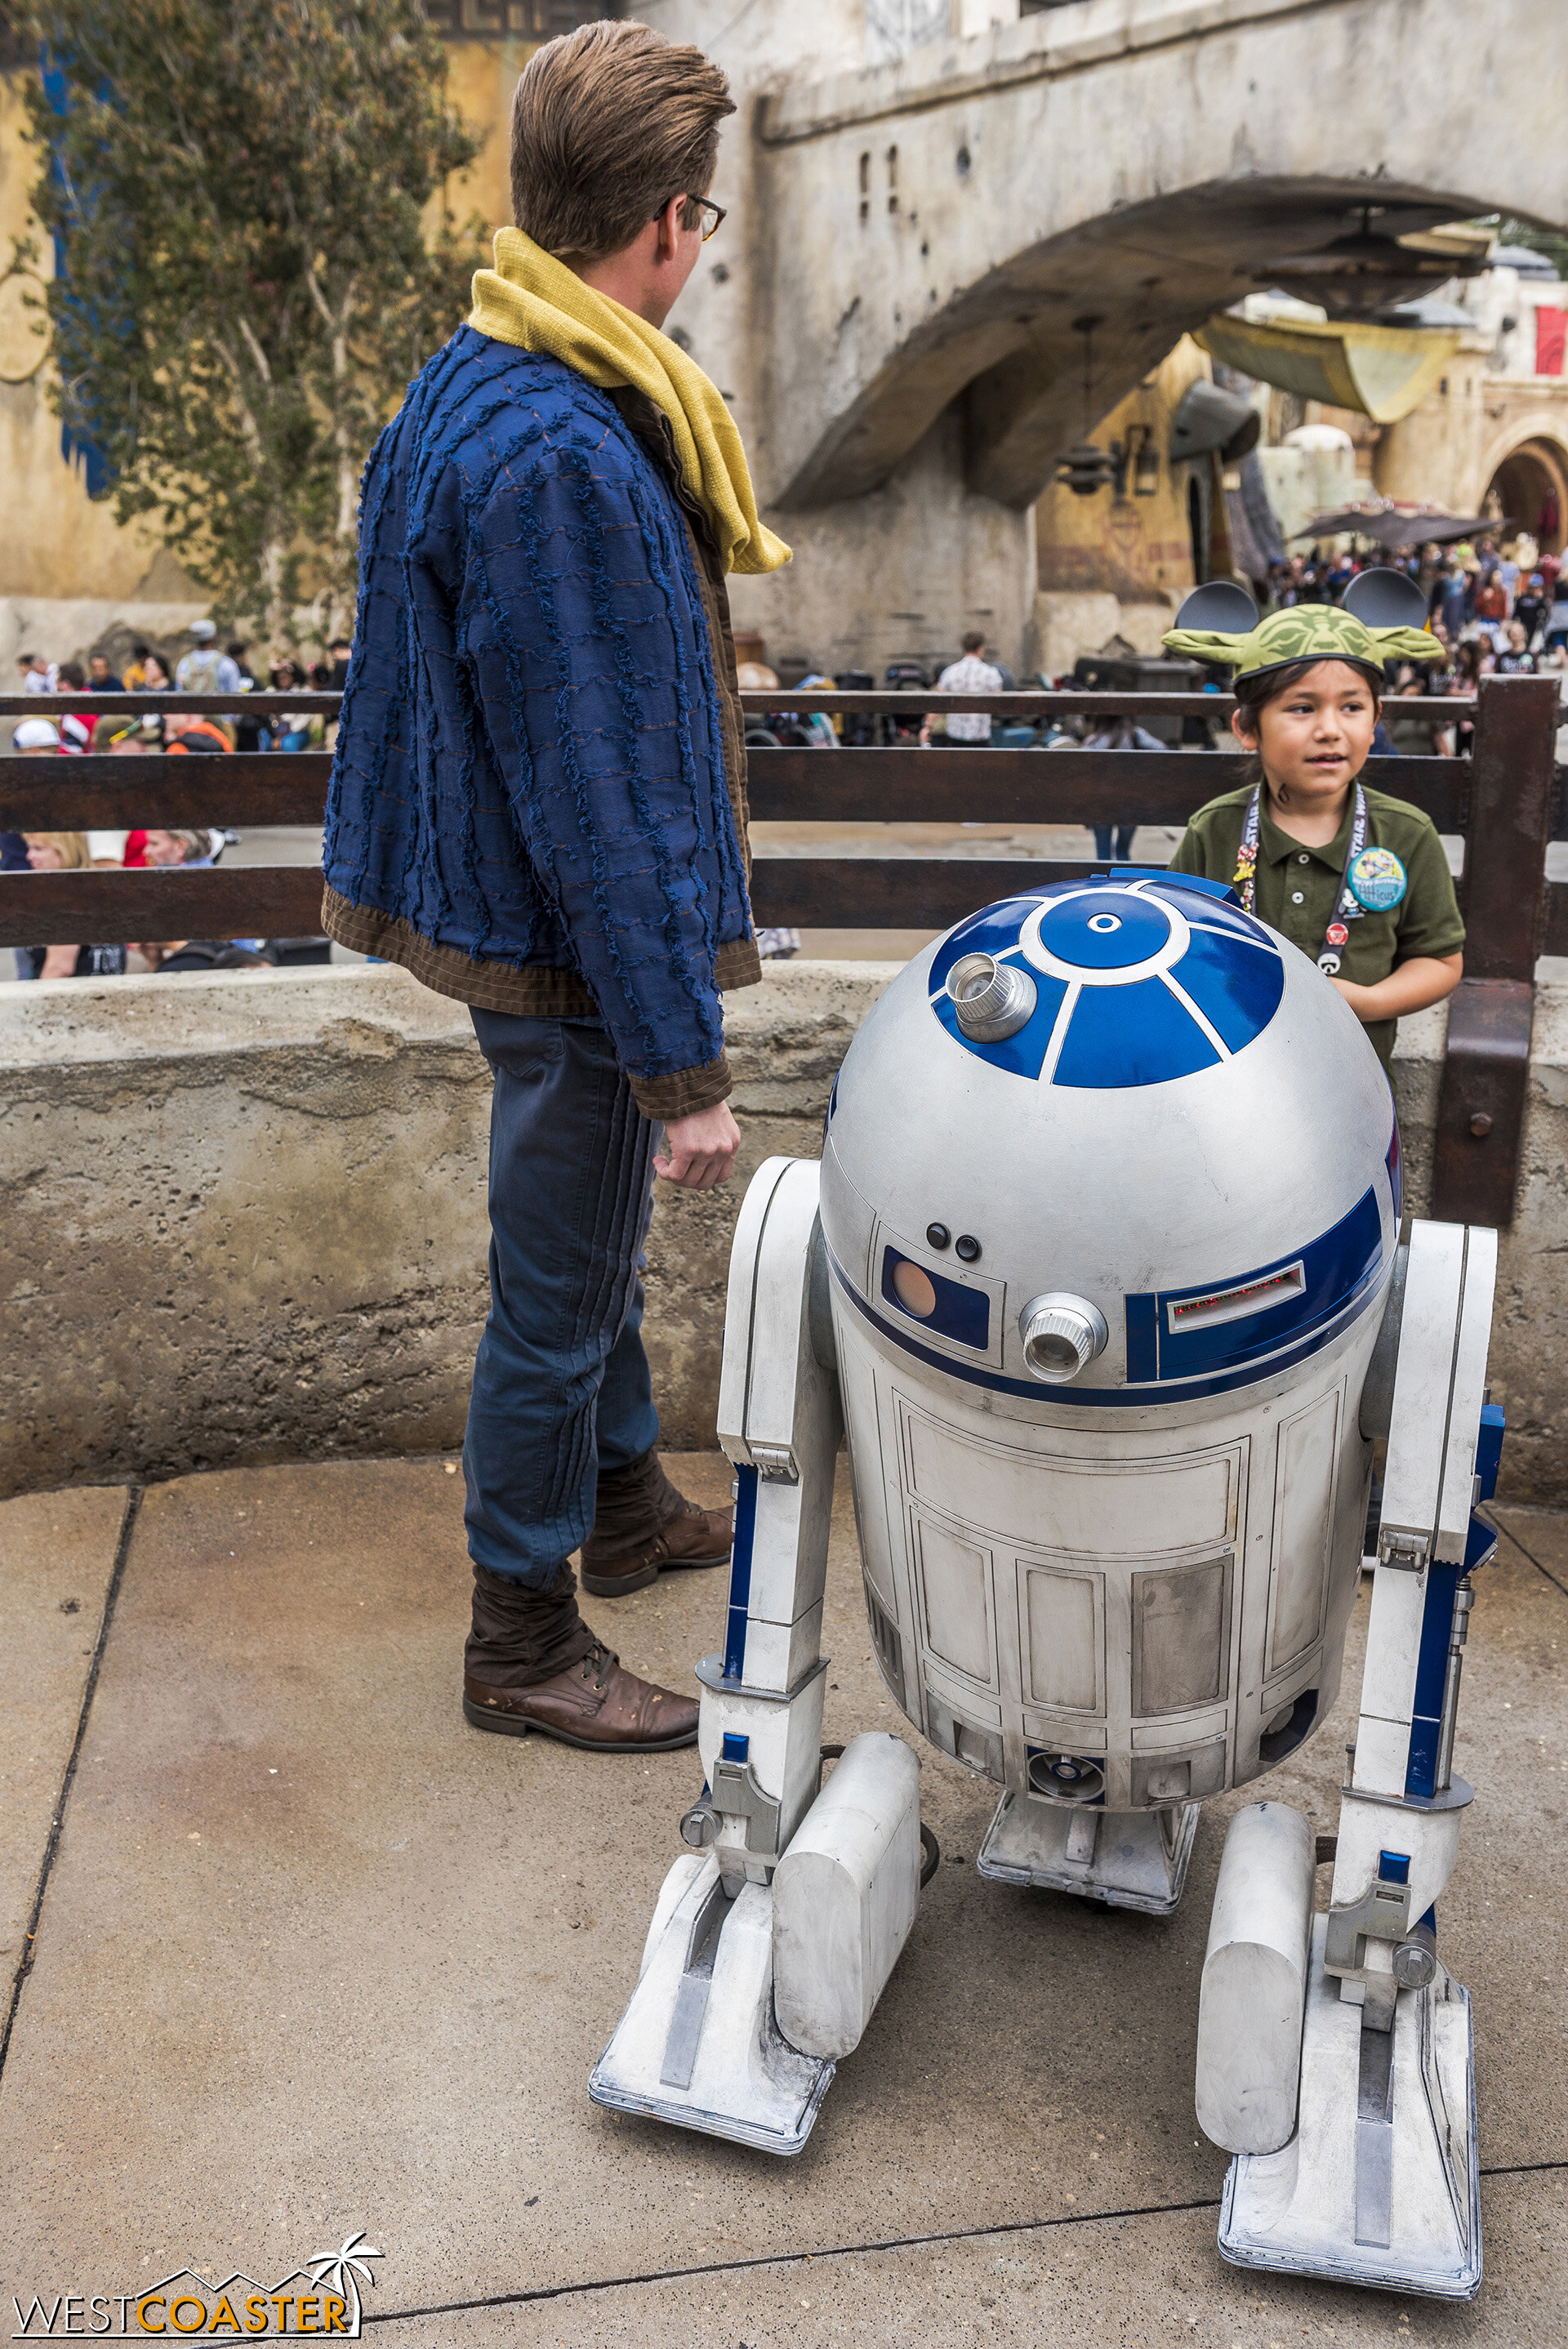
{"x": 70, "y": 576}
{"x": 57, "y": 543}
{"x": 481, "y": 79}
{"x": 1481, "y": 433}
{"x": 1118, "y": 563}
{"x": 1136, "y": 546}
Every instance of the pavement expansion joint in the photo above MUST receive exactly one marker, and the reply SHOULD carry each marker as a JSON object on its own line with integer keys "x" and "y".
{"x": 45, "y": 1868}
{"x": 632, "y": 2280}
{"x": 926, "y": 2242}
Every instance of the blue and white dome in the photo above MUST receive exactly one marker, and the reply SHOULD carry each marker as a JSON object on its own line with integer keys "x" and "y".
{"x": 1161, "y": 1109}
{"x": 1137, "y": 980}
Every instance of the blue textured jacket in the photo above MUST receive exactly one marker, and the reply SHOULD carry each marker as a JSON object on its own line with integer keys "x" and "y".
{"x": 538, "y": 797}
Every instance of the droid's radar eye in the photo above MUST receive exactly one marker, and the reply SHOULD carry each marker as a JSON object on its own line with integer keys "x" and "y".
{"x": 914, "y": 1291}
{"x": 1062, "y": 1335}
{"x": 991, "y": 999}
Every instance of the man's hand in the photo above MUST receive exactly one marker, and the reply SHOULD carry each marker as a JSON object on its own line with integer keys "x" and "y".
{"x": 699, "y": 1152}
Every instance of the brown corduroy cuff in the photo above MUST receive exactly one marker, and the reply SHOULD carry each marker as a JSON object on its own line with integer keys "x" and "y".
{"x": 664, "y": 1099}
{"x": 539, "y": 992}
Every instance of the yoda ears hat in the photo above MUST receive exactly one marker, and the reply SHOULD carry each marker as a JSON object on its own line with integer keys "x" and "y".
{"x": 1382, "y": 619}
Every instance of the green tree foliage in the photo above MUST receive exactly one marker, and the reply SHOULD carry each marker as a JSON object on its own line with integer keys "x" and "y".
{"x": 258, "y": 254}
{"x": 1546, "y": 241}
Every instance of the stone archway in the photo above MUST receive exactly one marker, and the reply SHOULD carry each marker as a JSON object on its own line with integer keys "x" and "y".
{"x": 939, "y": 231}
{"x": 1529, "y": 483}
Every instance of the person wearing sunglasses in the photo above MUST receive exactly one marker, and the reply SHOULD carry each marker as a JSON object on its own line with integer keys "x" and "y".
{"x": 538, "y": 806}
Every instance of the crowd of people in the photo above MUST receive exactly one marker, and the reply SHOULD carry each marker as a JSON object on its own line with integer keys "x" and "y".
{"x": 1495, "y": 608}
{"x": 148, "y": 727}
{"x": 1507, "y": 598}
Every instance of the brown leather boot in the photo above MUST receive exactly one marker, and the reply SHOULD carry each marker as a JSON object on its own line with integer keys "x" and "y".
{"x": 641, "y": 1524}
{"x": 594, "y": 1705}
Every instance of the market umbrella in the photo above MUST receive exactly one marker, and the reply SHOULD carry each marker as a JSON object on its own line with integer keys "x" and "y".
{"x": 1388, "y": 527}
{"x": 1446, "y": 529}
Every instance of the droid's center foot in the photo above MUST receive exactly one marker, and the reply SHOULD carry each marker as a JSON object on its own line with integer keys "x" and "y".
{"x": 1128, "y": 1859}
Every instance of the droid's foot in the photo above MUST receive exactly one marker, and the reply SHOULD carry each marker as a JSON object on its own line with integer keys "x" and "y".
{"x": 698, "y": 2044}
{"x": 1128, "y": 1859}
{"x": 1380, "y": 2184}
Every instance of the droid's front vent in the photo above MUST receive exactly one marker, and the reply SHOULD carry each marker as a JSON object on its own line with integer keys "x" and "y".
{"x": 991, "y": 999}
{"x": 979, "y": 1749}
{"x": 1062, "y": 1335}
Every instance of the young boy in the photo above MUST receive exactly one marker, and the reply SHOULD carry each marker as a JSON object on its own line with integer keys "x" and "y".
{"x": 1355, "y": 878}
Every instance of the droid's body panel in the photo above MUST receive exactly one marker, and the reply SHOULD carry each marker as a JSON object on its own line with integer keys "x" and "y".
{"x": 1122, "y": 1615}
{"x": 1131, "y": 1588}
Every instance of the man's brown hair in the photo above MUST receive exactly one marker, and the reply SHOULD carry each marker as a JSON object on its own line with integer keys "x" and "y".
{"x": 609, "y": 122}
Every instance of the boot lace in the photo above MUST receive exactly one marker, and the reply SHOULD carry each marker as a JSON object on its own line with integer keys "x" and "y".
{"x": 598, "y": 1664}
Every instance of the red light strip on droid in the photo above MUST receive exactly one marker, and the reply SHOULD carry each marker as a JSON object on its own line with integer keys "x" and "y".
{"x": 1231, "y": 1304}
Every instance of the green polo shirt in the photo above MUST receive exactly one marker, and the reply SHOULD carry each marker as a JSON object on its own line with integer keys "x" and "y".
{"x": 1297, "y": 888}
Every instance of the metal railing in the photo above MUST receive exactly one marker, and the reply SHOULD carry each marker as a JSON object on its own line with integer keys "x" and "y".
{"x": 1504, "y": 800}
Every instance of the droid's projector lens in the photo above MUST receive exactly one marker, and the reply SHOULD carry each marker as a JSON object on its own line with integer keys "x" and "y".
{"x": 1061, "y": 1335}
{"x": 991, "y": 999}
{"x": 1055, "y": 1356}
{"x": 914, "y": 1291}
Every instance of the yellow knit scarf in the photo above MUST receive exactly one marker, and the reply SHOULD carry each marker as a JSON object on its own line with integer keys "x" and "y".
{"x": 537, "y": 303}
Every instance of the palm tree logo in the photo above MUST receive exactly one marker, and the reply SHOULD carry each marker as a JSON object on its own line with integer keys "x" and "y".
{"x": 340, "y": 2272}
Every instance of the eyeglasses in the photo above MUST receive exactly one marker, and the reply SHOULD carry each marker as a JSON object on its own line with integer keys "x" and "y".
{"x": 703, "y": 204}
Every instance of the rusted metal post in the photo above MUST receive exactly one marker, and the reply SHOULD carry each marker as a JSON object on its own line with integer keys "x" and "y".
{"x": 1481, "y": 1106}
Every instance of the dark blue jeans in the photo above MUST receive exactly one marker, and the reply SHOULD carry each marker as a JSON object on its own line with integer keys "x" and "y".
{"x": 1123, "y": 849}
{"x": 561, "y": 1380}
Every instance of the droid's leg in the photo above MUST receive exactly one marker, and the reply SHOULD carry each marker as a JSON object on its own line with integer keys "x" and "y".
{"x": 1370, "y": 2175}
{"x": 773, "y": 1939}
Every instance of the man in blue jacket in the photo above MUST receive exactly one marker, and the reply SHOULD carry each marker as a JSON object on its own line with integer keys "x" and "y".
{"x": 538, "y": 806}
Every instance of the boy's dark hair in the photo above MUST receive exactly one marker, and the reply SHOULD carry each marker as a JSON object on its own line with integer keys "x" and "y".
{"x": 1254, "y": 693}
{"x": 608, "y": 123}
{"x": 974, "y": 640}
{"x": 72, "y": 673}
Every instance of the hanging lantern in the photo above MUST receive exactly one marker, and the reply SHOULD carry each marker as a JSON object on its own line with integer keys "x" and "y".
{"x": 1086, "y": 469}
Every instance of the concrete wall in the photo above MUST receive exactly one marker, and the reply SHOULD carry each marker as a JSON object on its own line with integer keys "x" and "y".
{"x": 243, "y": 1220}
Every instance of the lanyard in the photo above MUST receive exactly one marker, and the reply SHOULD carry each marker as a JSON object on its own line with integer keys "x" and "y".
{"x": 1348, "y": 908}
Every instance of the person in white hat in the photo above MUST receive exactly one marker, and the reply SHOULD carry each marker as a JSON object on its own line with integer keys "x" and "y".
{"x": 36, "y": 737}
{"x": 204, "y": 669}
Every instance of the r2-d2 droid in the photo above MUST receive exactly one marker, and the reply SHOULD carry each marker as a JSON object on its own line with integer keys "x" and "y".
{"x": 1103, "y": 1274}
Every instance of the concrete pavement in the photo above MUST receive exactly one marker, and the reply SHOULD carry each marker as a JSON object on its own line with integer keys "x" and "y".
{"x": 315, "y": 1957}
